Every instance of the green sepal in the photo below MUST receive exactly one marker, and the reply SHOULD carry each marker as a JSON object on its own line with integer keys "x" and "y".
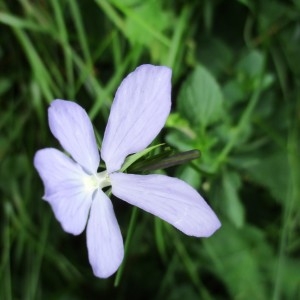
{"x": 133, "y": 158}
{"x": 165, "y": 160}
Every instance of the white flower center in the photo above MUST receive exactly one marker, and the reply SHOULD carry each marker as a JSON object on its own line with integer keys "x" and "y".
{"x": 95, "y": 181}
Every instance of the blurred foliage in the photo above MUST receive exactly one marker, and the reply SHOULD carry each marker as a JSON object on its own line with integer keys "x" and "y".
{"x": 236, "y": 98}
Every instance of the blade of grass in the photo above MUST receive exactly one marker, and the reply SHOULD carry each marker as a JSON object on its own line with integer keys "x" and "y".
{"x": 189, "y": 266}
{"x": 32, "y": 286}
{"x": 117, "y": 54}
{"x": 176, "y": 42}
{"x": 149, "y": 30}
{"x": 37, "y": 65}
{"x": 17, "y": 22}
{"x": 160, "y": 239}
{"x": 112, "y": 14}
{"x": 112, "y": 85}
{"x": 64, "y": 39}
{"x": 5, "y": 269}
{"x": 81, "y": 33}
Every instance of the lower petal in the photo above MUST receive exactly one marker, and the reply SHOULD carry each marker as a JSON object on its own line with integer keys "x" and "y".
{"x": 170, "y": 199}
{"x": 64, "y": 188}
{"x": 104, "y": 239}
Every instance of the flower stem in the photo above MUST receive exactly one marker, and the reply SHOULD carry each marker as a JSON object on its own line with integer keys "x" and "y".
{"x": 132, "y": 223}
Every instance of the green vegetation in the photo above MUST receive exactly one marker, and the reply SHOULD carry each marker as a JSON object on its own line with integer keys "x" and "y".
{"x": 236, "y": 98}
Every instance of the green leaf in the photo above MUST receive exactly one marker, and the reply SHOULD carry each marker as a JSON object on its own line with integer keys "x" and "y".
{"x": 175, "y": 120}
{"x": 180, "y": 141}
{"x": 272, "y": 172}
{"x": 189, "y": 175}
{"x": 251, "y": 64}
{"x": 243, "y": 256}
{"x": 200, "y": 98}
{"x": 233, "y": 93}
{"x": 145, "y": 21}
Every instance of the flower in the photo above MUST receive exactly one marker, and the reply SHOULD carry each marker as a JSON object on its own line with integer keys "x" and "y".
{"x": 73, "y": 187}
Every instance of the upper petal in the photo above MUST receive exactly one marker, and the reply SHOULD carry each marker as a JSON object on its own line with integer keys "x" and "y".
{"x": 64, "y": 188}
{"x": 138, "y": 113}
{"x": 104, "y": 239}
{"x": 169, "y": 198}
{"x": 71, "y": 125}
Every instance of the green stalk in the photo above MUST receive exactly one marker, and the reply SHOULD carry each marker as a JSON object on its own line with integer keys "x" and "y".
{"x": 132, "y": 223}
{"x": 241, "y": 124}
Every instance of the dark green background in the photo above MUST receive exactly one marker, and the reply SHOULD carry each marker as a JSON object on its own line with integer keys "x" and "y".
{"x": 236, "y": 68}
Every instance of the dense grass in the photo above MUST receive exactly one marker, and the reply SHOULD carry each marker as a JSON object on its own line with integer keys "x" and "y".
{"x": 236, "y": 98}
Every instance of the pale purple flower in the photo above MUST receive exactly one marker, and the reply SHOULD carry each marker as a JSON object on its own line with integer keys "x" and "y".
{"x": 73, "y": 187}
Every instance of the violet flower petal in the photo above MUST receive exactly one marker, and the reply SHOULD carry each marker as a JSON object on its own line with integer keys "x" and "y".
{"x": 170, "y": 199}
{"x": 64, "y": 188}
{"x": 104, "y": 239}
{"x": 138, "y": 113}
{"x": 71, "y": 125}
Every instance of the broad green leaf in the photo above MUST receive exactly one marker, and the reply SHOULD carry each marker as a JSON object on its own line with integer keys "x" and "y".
{"x": 175, "y": 120}
{"x": 200, "y": 98}
{"x": 180, "y": 141}
{"x": 145, "y": 21}
{"x": 189, "y": 175}
{"x": 240, "y": 258}
{"x": 272, "y": 172}
{"x": 233, "y": 93}
{"x": 251, "y": 64}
